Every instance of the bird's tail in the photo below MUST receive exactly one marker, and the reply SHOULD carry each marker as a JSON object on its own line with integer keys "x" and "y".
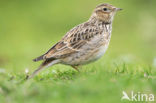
{"x": 45, "y": 64}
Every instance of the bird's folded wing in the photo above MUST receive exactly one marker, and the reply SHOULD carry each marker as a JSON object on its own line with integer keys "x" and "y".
{"x": 72, "y": 42}
{"x": 60, "y": 50}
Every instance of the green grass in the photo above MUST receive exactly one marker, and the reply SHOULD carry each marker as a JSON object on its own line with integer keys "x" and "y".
{"x": 29, "y": 28}
{"x": 96, "y": 83}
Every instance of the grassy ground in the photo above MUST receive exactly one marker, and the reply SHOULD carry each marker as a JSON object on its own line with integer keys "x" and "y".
{"x": 29, "y": 28}
{"x": 96, "y": 83}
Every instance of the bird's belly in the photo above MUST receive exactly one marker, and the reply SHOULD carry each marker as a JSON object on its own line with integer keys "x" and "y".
{"x": 100, "y": 52}
{"x": 85, "y": 57}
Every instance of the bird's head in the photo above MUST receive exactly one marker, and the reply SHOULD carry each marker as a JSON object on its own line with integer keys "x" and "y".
{"x": 105, "y": 12}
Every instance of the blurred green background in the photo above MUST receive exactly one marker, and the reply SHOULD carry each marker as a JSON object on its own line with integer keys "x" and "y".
{"x": 28, "y": 28}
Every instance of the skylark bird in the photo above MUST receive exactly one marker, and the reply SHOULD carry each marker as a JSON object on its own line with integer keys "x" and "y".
{"x": 83, "y": 44}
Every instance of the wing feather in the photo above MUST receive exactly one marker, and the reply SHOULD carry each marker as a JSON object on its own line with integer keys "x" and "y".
{"x": 72, "y": 41}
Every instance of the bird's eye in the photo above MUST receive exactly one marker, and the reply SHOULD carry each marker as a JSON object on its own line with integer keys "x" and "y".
{"x": 105, "y": 9}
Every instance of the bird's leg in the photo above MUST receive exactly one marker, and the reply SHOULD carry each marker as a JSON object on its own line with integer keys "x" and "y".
{"x": 76, "y": 68}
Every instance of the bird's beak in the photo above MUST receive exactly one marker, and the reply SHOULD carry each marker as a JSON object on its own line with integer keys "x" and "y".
{"x": 118, "y": 9}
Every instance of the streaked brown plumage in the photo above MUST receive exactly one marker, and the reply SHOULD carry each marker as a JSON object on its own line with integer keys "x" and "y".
{"x": 84, "y": 43}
